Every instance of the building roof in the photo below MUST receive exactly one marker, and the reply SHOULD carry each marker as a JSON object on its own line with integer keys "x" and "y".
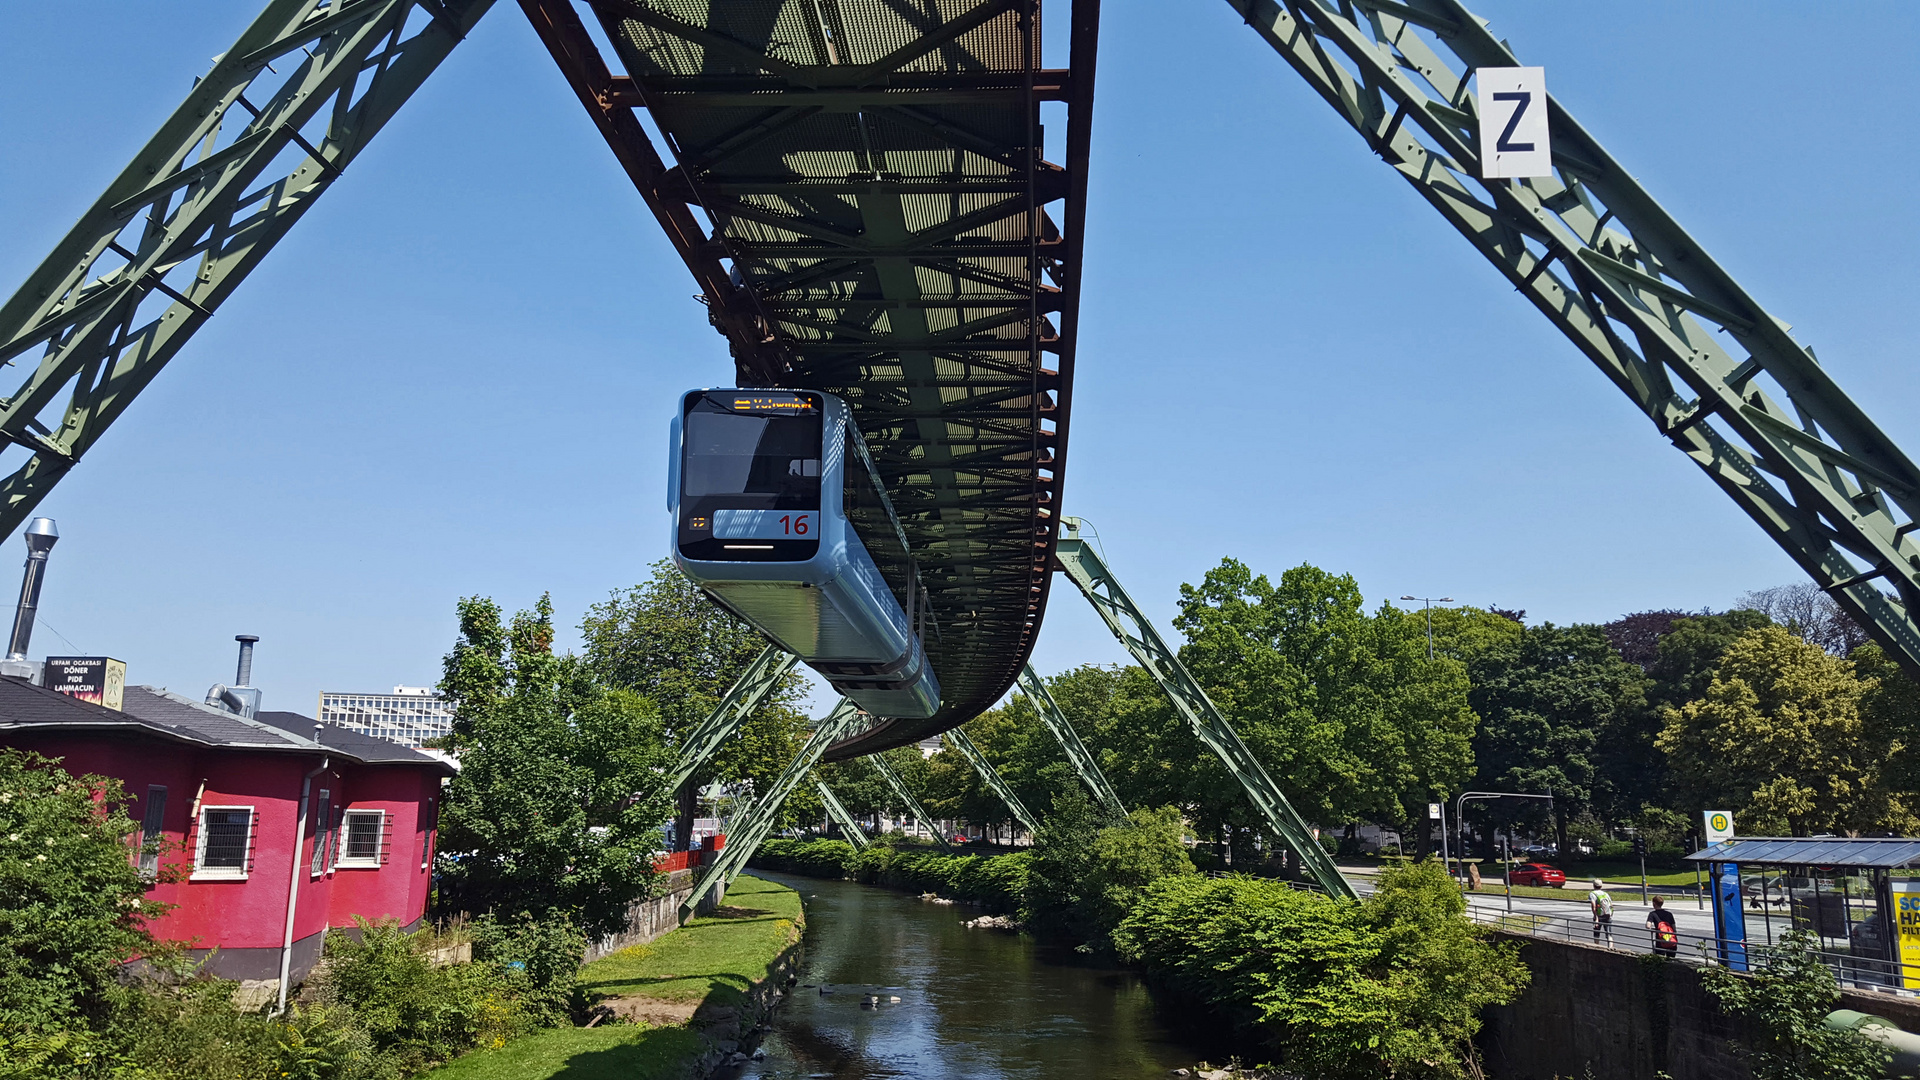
{"x": 156, "y": 712}
{"x": 346, "y": 740}
{"x": 1870, "y": 852}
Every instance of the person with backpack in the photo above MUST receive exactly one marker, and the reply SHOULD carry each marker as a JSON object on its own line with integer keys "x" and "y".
{"x": 1666, "y": 935}
{"x": 1602, "y": 904}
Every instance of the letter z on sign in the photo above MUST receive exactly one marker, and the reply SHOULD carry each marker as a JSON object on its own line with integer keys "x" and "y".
{"x": 1513, "y": 122}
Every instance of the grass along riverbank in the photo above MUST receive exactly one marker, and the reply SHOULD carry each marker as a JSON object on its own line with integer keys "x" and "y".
{"x": 672, "y": 993}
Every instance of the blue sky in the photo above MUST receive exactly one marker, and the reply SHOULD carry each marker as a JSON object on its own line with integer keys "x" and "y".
{"x": 454, "y": 376}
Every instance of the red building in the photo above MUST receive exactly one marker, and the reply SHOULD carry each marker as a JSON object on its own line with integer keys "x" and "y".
{"x": 218, "y": 796}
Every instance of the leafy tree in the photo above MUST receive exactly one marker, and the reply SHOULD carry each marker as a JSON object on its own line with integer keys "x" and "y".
{"x": 1890, "y": 718}
{"x": 667, "y": 641}
{"x": 1691, "y": 649}
{"x": 1347, "y": 712}
{"x": 556, "y": 807}
{"x": 1545, "y": 699}
{"x": 1785, "y": 1001}
{"x": 1778, "y": 735}
{"x": 72, "y": 906}
{"x": 1636, "y": 637}
{"x": 1128, "y": 857}
{"x": 1062, "y": 864}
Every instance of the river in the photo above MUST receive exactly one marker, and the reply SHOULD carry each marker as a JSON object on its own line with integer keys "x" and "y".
{"x": 973, "y": 1004}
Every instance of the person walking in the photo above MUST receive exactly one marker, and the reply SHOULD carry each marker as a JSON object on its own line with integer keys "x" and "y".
{"x": 1602, "y": 904}
{"x": 1666, "y": 934}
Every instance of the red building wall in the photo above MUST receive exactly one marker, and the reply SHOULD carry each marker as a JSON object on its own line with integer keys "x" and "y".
{"x": 243, "y": 921}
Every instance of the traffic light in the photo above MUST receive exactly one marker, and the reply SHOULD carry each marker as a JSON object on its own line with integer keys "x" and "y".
{"x": 1640, "y": 846}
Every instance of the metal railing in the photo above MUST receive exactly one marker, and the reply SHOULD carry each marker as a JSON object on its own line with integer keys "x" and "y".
{"x": 1851, "y": 970}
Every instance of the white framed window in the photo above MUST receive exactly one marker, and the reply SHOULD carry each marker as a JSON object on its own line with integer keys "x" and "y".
{"x": 224, "y": 848}
{"x": 363, "y": 838}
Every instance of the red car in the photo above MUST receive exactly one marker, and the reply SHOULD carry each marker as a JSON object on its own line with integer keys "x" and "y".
{"x": 1538, "y": 874}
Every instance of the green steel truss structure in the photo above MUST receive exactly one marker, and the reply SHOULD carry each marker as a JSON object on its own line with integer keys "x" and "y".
{"x": 750, "y": 828}
{"x": 1128, "y": 623}
{"x": 859, "y": 192}
{"x": 1077, "y": 753}
{"x": 1714, "y": 372}
{"x": 259, "y": 137}
{"x": 855, "y": 834}
{"x": 992, "y": 778}
{"x": 899, "y": 786}
{"x": 762, "y": 677}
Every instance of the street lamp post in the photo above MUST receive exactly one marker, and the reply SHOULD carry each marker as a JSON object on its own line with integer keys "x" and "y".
{"x": 1430, "y": 601}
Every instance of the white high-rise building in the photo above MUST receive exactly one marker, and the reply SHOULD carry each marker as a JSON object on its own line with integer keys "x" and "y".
{"x": 409, "y": 716}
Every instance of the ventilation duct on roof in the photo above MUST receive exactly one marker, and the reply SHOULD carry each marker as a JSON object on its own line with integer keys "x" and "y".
{"x": 241, "y": 699}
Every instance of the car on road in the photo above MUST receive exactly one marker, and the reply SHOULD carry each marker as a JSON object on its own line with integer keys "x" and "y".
{"x": 1538, "y": 874}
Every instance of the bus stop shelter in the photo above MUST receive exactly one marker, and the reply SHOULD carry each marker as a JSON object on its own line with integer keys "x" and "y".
{"x": 1848, "y": 894}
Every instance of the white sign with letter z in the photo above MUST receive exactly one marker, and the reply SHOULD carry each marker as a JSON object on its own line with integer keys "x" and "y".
{"x": 1513, "y": 122}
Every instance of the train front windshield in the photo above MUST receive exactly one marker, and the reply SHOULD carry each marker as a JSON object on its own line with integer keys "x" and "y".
{"x": 750, "y": 477}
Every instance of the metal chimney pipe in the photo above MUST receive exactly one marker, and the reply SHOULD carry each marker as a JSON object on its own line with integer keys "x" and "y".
{"x": 40, "y": 536}
{"x": 244, "y": 677}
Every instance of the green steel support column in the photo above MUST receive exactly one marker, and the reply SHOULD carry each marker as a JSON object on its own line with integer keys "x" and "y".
{"x": 855, "y": 834}
{"x": 760, "y": 678}
{"x": 1077, "y": 753}
{"x": 1713, "y": 371}
{"x": 900, "y": 788}
{"x": 1130, "y": 625}
{"x": 196, "y": 210}
{"x": 752, "y": 827}
{"x": 986, "y": 770}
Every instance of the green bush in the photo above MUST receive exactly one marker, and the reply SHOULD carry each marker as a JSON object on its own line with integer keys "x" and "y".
{"x": 539, "y": 961}
{"x": 814, "y": 858}
{"x": 1054, "y": 902}
{"x": 995, "y": 882}
{"x": 415, "y": 1013}
{"x": 72, "y": 906}
{"x": 1393, "y": 986}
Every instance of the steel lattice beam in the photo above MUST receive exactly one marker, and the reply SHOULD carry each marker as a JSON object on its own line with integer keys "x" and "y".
{"x": 1714, "y": 372}
{"x": 1128, "y": 623}
{"x": 750, "y": 829}
{"x": 860, "y": 193}
{"x": 744, "y": 697}
{"x": 1077, "y": 753}
{"x": 991, "y": 777}
{"x": 855, "y": 834}
{"x": 197, "y": 209}
{"x": 899, "y": 786}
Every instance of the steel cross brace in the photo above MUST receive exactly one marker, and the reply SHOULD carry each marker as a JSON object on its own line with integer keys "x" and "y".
{"x": 855, "y": 835}
{"x": 1078, "y": 561}
{"x": 762, "y": 677}
{"x": 1633, "y": 291}
{"x": 752, "y": 827}
{"x": 993, "y": 779}
{"x": 197, "y": 209}
{"x": 1077, "y": 753}
{"x": 900, "y": 788}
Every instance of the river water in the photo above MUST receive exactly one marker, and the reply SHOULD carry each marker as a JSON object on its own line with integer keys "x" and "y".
{"x": 974, "y": 1004}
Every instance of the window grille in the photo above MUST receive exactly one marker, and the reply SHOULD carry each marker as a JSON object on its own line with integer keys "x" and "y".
{"x": 152, "y": 830}
{"x": 226, "y": 841}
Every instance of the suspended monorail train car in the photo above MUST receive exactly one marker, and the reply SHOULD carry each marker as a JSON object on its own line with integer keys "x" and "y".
{"x": 765, "y": 488}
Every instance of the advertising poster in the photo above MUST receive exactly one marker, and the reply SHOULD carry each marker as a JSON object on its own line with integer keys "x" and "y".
{"x": 1906, "y": 923}
{"x": 1729, "y": 917}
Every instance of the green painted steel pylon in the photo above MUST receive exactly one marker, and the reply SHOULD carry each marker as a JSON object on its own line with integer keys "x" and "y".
{"x": 260, "y": 136}
{"x": 992, "y": 777}
{"x": 762, "y": 677}
{"x": 899, "y": 786}
{"x": 751, "y": 827}
{"x": 1144, "y": 643}
{"x": 1715, "y": 373}
{"x": 855, "y": 834}
{"x": 1077, "y": 753}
